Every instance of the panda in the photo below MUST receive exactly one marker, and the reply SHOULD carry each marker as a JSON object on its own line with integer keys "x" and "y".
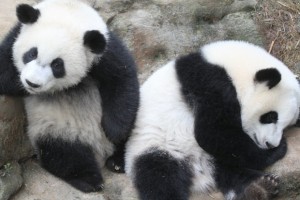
{"x": 212, "y": 119}
{"x": 79, "y": 85}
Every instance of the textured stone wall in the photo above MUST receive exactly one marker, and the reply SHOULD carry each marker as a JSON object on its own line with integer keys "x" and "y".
{"x": 155, "y": 31}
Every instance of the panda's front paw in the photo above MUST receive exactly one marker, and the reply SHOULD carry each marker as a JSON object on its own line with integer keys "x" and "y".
{"x": 271, "y": 184}
{"x": 277, "y": 153}
{"x": 264, "y": 188}
{"x": 93, "y": 183}
{"x": 116, "y": 163}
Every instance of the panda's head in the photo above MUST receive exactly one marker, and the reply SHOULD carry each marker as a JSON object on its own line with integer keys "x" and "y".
{"x": 58, "y": 42}
{"x": 267, "y": 91}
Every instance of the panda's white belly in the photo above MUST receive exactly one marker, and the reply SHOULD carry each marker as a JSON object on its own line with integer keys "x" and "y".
{"x": 164, "y": 121}
{"x": 74, "y": 115}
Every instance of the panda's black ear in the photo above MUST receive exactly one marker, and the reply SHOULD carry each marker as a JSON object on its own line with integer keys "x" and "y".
{"x": 27, "y": 14}
{"x": 95, "y": 41}
{"x": 270, "y": 75}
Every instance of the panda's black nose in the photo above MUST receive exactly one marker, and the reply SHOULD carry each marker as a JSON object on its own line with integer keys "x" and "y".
{"x": 32, "y": 84}
{"x": 270, "y": 146}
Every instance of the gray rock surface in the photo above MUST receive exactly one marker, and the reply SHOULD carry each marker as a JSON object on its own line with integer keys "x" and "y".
{"x": 10, "y": 180}
{"x": 40, "y": 185}
{"x": 14, "y": 144}
{"x": 159, "y": 30}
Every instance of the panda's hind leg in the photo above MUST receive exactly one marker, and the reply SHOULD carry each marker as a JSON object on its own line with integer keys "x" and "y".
{"x": 73, "y": 162}
{"x": 160, "y": 176}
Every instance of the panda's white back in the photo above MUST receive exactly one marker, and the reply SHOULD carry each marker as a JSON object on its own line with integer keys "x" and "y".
{"x": 166, "y": 122}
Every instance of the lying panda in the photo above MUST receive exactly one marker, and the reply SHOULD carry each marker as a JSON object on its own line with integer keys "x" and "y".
{"x": 80, "y": 86}
{"x": 213, "y": 119}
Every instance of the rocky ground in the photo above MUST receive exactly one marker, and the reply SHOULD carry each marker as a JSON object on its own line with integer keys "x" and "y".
{"x": 155, "y": 31}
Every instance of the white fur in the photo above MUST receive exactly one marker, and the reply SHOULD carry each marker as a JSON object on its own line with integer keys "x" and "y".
{"x": 164, "y": 121}
{"x": 242, "y": 60}
{"x": 58, "y": 32}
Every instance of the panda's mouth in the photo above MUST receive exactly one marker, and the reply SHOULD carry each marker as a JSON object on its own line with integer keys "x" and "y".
{"x": 31, "y": 91}
{"x": 257, "y": 142}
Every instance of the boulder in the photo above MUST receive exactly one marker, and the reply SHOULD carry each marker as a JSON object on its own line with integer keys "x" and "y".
{"x": 155, "y": 31}
{"x": 10, "y": 180}
{"x": 159, "y": 30}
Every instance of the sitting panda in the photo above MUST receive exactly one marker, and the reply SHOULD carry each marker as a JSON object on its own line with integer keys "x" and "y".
{"x": 210, "y": 119}
{"x": 79, "y": 85}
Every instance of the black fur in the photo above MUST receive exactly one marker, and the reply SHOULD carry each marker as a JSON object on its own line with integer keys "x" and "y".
{"x": 27, "y": 14}
{"x": 119, "y": 90}
{"x": 95, "y": 41}
{"x": 211, "y": 95}
{"x": 10, "y": 83}
{"x": 71, "y": 161}
{"x": 159, "y": 176}
{"x": 116, "y": 162}
{"x": 269, "y": 117}
{"x": 58, "y": 68}
{"x": 30, "y": 55}
{"x": 33, "y": 85}
{"x": 269, "y": 75}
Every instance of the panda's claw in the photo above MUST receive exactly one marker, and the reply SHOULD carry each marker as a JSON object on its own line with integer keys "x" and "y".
{"x": 263, "y": 188}
{"x": 115, "y": 164}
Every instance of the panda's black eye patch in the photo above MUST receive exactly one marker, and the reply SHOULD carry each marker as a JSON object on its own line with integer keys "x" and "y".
{"x": 30, "y": 55}
{"x": 58, "y": 68}
{"x": 269, "y": 117}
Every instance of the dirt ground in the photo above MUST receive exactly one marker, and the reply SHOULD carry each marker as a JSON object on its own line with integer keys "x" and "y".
{"x": 279, "y": 22}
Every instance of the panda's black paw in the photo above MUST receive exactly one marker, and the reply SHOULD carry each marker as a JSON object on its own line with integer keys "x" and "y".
{"x": 270, "y": 183}
{"x": 88, "y": 184}
{"x": 264, "y": 188}
{"x": 277, "y": 153}
{"x": 116, "y": 163}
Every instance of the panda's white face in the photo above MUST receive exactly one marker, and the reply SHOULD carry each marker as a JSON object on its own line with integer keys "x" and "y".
{"x": 268, "y": 92}
{"x": 57, "y": 44}
{"x": 266, "y": 113}
{"x": 50, "y": 59}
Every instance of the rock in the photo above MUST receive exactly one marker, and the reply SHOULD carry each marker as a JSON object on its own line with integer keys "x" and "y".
{"x": 40, "y": 185}
{"x": 10, "y": 180}
{"x": 14, "y": 144}
{"x": 156, "y": 31}
{"x": 163, "y": 29}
